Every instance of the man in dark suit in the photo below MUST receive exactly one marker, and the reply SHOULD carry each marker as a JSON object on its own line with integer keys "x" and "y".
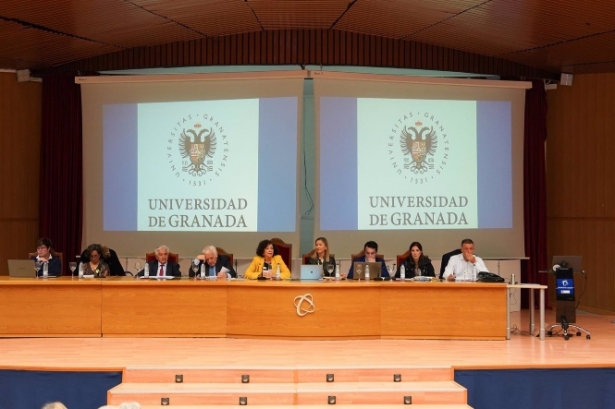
{"x": 370, "y": 249}
{"x": 162, "y": 266}
{"x": 214, "y": 264}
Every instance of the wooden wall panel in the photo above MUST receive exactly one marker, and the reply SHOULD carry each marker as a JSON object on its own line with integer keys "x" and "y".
{"x": 20, "y": 130}
{"x": 581, "y": 182}
{"x": 303, "y": 47}
{"x": 594, "y": 240}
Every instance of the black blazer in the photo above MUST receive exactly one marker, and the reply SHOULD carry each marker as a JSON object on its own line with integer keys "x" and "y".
{"x": 424, "y": 265}
{"x": 325, "y": 273}
{"x": 445, "y": 258}
{"x": 222, "y": 261}
{"x": 172, "y": 269}
{"x": 54, "y": 267}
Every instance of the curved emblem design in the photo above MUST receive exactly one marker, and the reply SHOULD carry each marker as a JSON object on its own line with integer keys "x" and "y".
{"x": 304, "y": 304}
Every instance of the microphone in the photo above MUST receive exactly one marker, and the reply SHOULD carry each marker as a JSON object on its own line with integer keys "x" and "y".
{"x": 260, "y": 276}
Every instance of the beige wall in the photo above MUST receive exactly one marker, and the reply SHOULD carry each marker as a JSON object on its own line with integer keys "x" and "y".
{"x": 20, "y": 135}
{"x": 580, "y": 183}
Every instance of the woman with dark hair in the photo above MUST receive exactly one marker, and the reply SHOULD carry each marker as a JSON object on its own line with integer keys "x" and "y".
{"x": 95, "y": 266}
{"x": 109, "y": 256}
{"x": 320, "y": 256}
{"x": 266, "y": 262}
{"x": 417, "y": 263}
{"x": 43, "y": 256}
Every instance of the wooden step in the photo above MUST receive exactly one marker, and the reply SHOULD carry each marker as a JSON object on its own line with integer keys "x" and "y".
{"x": 362, "y": 374}
{"x": 281, "y": 375}
{"x": 432, "y": 392}
{"x": 207, "y": 374}
{"x": 203, "y": 393}
{"x": 398, "y": 406}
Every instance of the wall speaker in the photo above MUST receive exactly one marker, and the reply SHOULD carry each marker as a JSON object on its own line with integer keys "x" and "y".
{"x": 565, "y": 79}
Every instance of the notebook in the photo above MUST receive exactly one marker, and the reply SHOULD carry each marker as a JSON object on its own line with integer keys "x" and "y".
{"x": 21, "y": 268}
{"x": 310, "y": 272}
{"x": 359, "y": 270}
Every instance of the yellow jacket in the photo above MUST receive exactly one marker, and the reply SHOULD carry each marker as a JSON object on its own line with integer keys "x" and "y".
{"x": 256, "y": 267}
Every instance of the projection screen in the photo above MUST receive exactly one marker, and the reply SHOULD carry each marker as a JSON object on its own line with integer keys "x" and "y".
{"x": 191, "y": 160}
{"x": 419, "y": 159}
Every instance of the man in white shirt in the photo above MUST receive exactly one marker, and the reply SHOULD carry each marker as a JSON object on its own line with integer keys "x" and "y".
{"x": 464, "y": 266}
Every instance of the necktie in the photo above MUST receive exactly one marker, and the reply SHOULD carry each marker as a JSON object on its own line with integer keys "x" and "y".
{"x": 212, "y": 271}
{"x": 161, "y": 273}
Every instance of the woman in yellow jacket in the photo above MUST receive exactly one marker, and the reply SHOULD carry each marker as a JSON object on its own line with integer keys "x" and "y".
{"x": 266, "y": 262}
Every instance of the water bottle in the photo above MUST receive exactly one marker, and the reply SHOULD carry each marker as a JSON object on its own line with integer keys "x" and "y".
{"x": 80, "y": 270}
{"x": 277, "y": 273}
{"x": 473, "y": 272}
{"x": 202, "y": 270}
{"x": 366, "y": 272}
{"x": 337, "y": 271}
{"x": 146, "y": 271}
{"x": 45, "y": 270}
{"x": 402, "y": 272}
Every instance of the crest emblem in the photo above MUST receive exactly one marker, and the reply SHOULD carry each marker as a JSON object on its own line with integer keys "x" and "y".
{"x": 198, "y": 144}
{"x": 418, "y": 142}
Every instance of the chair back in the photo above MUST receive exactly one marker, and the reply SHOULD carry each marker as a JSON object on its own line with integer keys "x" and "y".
{"x": 445, "y": 258}
{"x": 285, "y": 250}
{"x": 173, "y": 257}
{"x": 223, "y": 252}
{"x": 402, "y": 257}
{"x": 54, "y": 254}
{"x": 361, "y": 254}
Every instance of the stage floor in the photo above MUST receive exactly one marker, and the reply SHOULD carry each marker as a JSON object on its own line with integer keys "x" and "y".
{"x": 521, "y": 351}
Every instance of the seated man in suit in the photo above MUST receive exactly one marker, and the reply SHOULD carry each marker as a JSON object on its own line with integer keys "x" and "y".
{"x": 464, "y": 266}
{"x": 219, "y": 265}
{"x": 370, "y": 249}
{"x": 43, "y": 255}
{"x": 162, "y": 266}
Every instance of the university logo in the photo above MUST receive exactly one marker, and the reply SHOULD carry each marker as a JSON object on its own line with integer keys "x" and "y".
{"x": 198, "y": 144}
{"x": 304, "y": 304}
{"x": 418, "y": 147}
{"x": 198, "y": 149}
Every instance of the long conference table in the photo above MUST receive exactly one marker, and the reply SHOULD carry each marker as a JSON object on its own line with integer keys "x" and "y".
{"x": 128, "y": 307}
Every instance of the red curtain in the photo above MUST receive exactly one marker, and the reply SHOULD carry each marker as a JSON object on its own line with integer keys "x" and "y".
{"x": 534, "y": 188}
{"x": 61, "y": 208}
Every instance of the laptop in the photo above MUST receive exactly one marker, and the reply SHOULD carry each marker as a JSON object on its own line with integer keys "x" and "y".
{"x": 359, "y": 270}
{"x": 21, "y": 268}
{"x": 308, "y": 272}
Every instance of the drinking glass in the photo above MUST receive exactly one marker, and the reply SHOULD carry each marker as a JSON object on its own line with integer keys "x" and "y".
{"x": 137, "y": 268}
{"x": 330, "y": 269}
{"x": 390, "y": 269}
{"x": 195, "y": 268}
{"x": 72, "y": 266}
{"x": 37, "y": 267}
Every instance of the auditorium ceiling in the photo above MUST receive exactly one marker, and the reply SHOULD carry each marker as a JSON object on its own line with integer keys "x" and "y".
{"x": 572, "y": 36}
